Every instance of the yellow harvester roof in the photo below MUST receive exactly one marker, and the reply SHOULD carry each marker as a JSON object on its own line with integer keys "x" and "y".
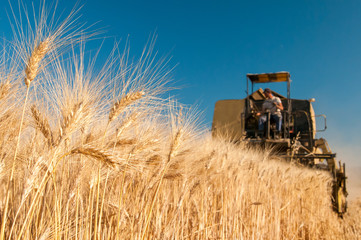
{"x": 269, "y": 77}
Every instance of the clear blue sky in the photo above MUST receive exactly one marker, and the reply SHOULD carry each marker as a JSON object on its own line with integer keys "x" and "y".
{"x": 216, "y": 43}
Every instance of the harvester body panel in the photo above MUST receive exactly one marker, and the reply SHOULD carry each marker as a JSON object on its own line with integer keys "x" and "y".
{"x": 228, "y": 119}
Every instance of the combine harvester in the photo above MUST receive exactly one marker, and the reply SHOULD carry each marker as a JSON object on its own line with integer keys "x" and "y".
{"x": 296, "y": 142}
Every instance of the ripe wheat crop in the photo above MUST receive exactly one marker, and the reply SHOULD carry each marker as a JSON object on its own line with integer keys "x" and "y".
{"x": 87, "y": 154}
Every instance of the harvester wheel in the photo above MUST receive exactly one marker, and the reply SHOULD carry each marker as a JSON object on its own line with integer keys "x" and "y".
{"x": 341, "y": 202}
{"x": 340, "y": 188}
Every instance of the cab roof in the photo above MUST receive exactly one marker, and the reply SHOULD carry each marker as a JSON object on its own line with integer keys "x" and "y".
{"x": 269, "y": 77}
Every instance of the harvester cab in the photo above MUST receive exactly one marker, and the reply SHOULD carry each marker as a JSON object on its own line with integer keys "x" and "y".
{"x": 238, "y": 121}
{"x": 254, "y": 103}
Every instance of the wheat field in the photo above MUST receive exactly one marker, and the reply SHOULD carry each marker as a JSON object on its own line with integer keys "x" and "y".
{"x": 92, "y": 152}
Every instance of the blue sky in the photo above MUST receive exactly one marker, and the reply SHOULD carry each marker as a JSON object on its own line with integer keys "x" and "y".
{"x": 216, "y": 43}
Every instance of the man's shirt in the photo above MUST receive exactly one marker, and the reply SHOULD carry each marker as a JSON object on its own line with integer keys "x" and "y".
{"x": 269, "y": 104}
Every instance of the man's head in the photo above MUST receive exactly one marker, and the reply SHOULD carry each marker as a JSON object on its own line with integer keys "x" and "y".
{"x": 268, "y": 93}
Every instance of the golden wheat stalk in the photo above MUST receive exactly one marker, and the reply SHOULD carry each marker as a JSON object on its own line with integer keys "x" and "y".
{"x": 173, "y": 152}
{"x": 123, "y": 103}
{"x": 33, "y": 65}
{"x": 94, "y": 153}
{"x": 42, "y": 124}
{"x": 31, "y": 71}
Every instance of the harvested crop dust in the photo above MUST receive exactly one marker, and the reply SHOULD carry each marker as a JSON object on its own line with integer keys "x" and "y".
{"x": 354, "y": 183}
{"x": 98, "y": 154}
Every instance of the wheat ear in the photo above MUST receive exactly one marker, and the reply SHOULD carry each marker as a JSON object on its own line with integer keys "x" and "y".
{"x": 43, "y": 125}
{"x": 175, "y": 144}
{"x": 68, "y": 121}
{"x": 127, "y": 122}
{"x": 94, "y": 153}
{"x": 123, "y": 142}
{"x": 37, "y": 55}
{"x": 4, "y": 89}
{"x": 123, "y": 103}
